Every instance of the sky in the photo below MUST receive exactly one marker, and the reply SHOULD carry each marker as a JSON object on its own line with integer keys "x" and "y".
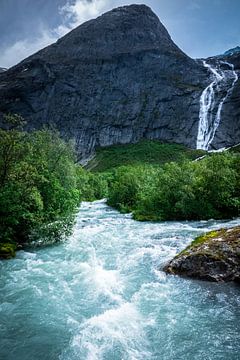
{"x": 201, "y": 28}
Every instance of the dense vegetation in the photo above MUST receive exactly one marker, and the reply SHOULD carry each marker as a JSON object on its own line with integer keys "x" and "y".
{"x": 145, "y": 152}
{"x": 40, "y": 184}
{"x": 204, "y": 189}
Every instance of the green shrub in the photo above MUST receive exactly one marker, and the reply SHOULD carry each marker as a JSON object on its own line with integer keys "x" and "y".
{"x": 91, "y": 186}
{"x": 124, "y": 189}
{"x": 144, "y": 152}
{"x": 179, "y": 191}
{"x": 41, "y": 185}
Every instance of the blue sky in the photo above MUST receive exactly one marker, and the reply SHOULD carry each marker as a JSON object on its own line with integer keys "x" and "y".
{"x": 201, "y": 28}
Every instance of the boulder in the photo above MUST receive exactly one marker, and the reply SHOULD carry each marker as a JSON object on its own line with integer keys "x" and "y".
{"x": 214, "y": 256}
{"x": 7, "y": 250}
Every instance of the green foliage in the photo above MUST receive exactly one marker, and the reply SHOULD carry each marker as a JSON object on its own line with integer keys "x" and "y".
{"x": 216, "y": 186}
{"x": 91, "y": 186}
{"x": 235, "y": 149}
{"x": 178, "y": 191}
{"x": 40, "y": 184}
{"x": 37, "y": 180}
{"x": 145, "y": 152}
{"x": 123, "y": 192}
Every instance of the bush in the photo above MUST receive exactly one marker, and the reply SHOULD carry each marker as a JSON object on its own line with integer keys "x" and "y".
{"x": 41, "y": 185}
{"x": 179, "y": 191}
{"x": 124, "y": 189}
{"x": 91, "y": 186}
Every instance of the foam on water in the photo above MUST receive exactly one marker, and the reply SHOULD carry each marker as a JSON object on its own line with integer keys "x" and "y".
{"x": 102, "y": 296}
{"x": 117, "y": 332}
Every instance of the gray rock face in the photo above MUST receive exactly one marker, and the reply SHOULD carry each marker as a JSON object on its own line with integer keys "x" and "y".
{"x": 232, "y": 51}
{"x": 214, "y": 256}
{"x": 113, "y": 80}
{"x": 228, "y": 132}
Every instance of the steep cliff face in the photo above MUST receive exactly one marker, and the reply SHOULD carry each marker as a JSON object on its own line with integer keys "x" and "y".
{"x": 112, "y": 80}
{"x": 228, "y": 131}
{"x": 219, "y": 121}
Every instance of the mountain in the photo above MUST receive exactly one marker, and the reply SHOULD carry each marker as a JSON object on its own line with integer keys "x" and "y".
{"x": 2, "y": 69}
{"x": 115, "y": 80}
{"x": 233, "y": 51}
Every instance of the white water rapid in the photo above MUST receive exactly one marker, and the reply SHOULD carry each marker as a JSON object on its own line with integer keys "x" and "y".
{"x": 212, "y": 100}
{"x": 102, "y": 296}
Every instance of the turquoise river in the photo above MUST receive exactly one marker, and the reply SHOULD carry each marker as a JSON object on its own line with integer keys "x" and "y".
{"x": 102, "y": 296}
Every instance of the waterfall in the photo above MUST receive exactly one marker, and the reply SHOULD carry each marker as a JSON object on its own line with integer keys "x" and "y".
{"x": 212, "y": 100}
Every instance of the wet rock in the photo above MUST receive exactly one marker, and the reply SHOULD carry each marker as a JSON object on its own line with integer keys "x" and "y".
{"x": 7, "y": 250}
{"x": 214, "y": 256}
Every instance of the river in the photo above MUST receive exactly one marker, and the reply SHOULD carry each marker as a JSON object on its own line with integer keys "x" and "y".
{"x": 101, "y": 295}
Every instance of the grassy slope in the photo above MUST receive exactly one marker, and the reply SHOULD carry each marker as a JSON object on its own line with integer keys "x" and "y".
{"x": 235, "y": 149}
{"x": 144, "y": 152}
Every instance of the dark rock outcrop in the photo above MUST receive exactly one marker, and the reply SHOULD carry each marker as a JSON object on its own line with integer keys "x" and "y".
{"x": 214, "y": 256}
{"x": 114, "y": 80}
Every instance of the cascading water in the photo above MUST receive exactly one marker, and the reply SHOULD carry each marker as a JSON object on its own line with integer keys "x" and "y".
{"x": 212, "y": 100}
{"x": 101, "y": 296}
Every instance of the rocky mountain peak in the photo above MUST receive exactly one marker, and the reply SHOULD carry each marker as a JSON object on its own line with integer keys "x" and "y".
{"x": 233, "y": 51}
{"x": 124, "y": 30}
{"x": 116, "y": 79}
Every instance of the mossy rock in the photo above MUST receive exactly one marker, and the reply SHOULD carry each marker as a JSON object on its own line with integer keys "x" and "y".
{"x": 7, "y": 251}
{"x": 213, "y": 256}
{"x": 200, "y": 240}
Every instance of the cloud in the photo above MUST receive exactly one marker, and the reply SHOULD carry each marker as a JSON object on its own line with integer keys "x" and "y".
{"x": 71, "y": 14}
{"x": 83, "y": 10}
{"x": 23, "y": 48}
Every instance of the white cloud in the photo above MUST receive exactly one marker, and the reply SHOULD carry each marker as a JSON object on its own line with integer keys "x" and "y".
{"x": 72, "y": 16}
{"x": 84, "y": 10}
{"x": 23, "y": 48}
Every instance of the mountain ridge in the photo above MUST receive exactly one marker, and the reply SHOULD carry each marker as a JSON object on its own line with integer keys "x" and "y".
{"x": 113, "y": 80}
{"x": 232, "y": 51}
